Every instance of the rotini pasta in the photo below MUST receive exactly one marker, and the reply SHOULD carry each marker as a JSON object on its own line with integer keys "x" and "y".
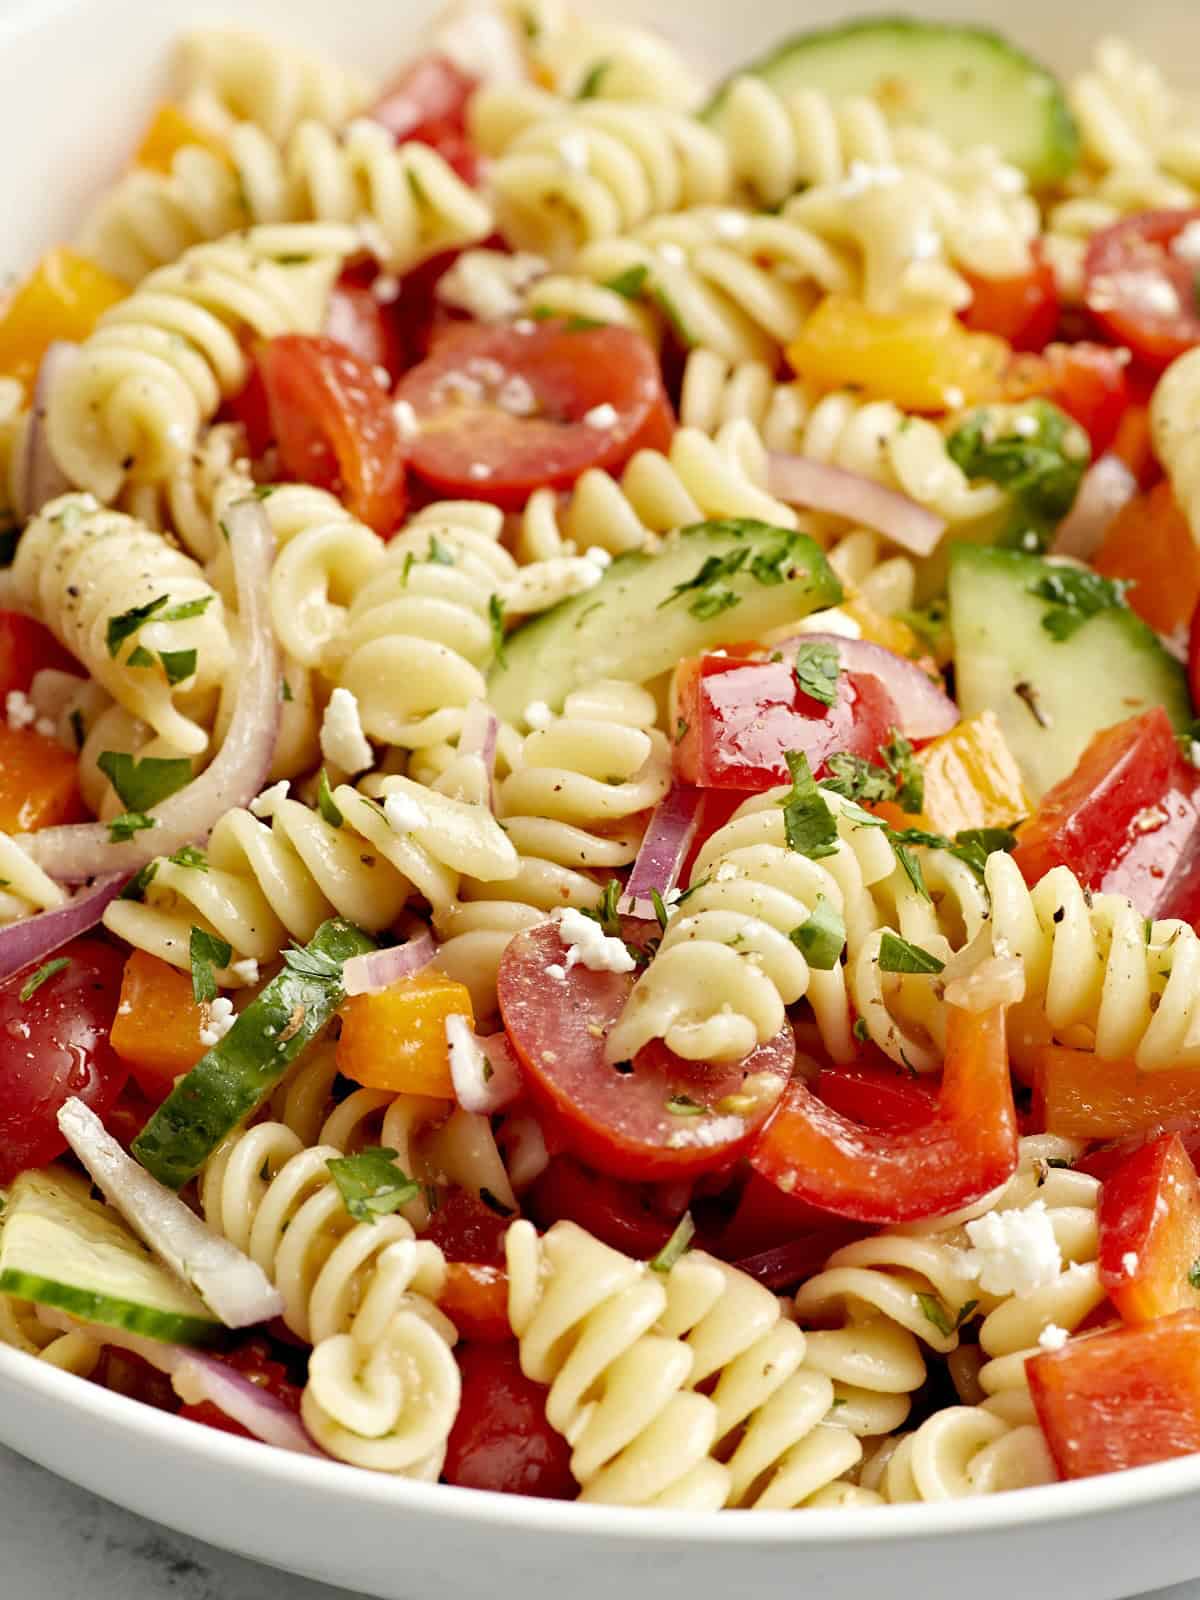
{"x": 610, "y": 60}
{"x": 229, "y": 75}
{"x": 1173, "y": 418}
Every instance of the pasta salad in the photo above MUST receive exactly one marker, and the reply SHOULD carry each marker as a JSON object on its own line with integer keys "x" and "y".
{"x": 599, "y": 802}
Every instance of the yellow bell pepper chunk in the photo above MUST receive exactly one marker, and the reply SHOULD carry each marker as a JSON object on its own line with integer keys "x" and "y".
{"x": 395, "y": 1039}
{"x": 170, "y": 131}
{"x": 972, "y": 779}
{"x": 63, "y": 298}
{"x": 891, "y": 632}
{"x": 923, "y": 360}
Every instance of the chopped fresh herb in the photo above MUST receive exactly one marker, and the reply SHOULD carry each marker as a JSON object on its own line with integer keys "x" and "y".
{"x": 808, "y": 824}
{"x": 264, "y": 491}
{"x": 660, "y": 909}
{"x": 1076, "y": 595}
{"x": 676, "y": 1246}
{"x": 629, "y": 284}
{"x": 975, "y": 845}
{"x": 673, "y": 315}
{"x": 822, "y": 938}
{"x": 188, "y": 609}
{"x": 125, "y": 625}
{"x": 178, "y": 664}
{"x": 36, "y": 979}
{"x": 590, "y": 87}
{"x": 206, "y": 951}
{"x": 773, "y": 566}
{"x": 706, "y": 581}
{"x": 285, "y": 692}
{"x": 606, "y": 913}
{"x": 140, "y": 785}
{"x": 1041, "y": 469}
{"x": 136, "y": 888}
{"x": 964, "y": 1311}
{"x": 121, "y": 829}
{"x": 496, "y": 618}
{"x": 681, "y": 728}
{"x": 371, "y": 1184}
{"x": 578, "y": 324}
{"x": 936, "y": 1313}
{"x": 904, "y": 771}
{"x": 1194, "y": 1273}
{"x": 930, "y": 623}
{"x": 326, "y": 804}
{"x": 682, "y": 1105}
{"x": 189, "y": 856}
{"x": 493, "y": 1204}
{"x": 861, "y": 1030}
{"x": 78, "y": 728}
{"x": 313, "y": 964}
{"x": 897, "y": 955}
{"x": 139, "y": 656}
{"x": 899, "y": 780}
{"x": 818, "y": 667}
{"x": 438, "y": 554}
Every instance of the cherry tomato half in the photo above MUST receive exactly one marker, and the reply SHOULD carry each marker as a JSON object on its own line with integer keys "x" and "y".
{"x": 631, "y": 1217}
{"x": 54, "y": 1046}
{"x": 654, "y": 1119}
{"x": 358, "y": 320}
{"x": 501, "y": 1439}
{"x": 25, "y": 648}
{"x": 1089, "y": 382}
{"x": 502, "y": 410}
{"x": 1141, "y": 289}
{"x": 428, "y": 103}
{"x": 335, "y": 426}
{"x": 1023, "y": 310}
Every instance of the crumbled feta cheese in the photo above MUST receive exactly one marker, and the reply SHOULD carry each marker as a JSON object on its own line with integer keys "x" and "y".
{"x": 573, "y": 149}
{"x": 267, "y": 803}
{"x": 245, "y": 971}
{"x": 1052, "y": 1337}
{"x": 597, "y": 556}
{"x": 588, "y": 945}
{"x": 1149, "y": 819}
{"x": 467, "y": 1060}
{"x": 1185, "y": 246}
{"x": 1025, "y": 426}
{"x": 862, "y": 176}
{"x": 406, "y": 419}
{"x": 672, "y": 254}
{"x": 488, "y": 371}
{"x": 926, "y": 244}
{"x": 220, "y": 1020}
{"x": 516, "y": 396}
{"x": 479, "y": 470}
{"x": 1015, "y": 1252}
{"x": 1149, "y": 294}
{"x": 382, "y": 377}
{"x": 343, "y": 741}
{"x": 725, "y": 873}
{"x": 19, "y": 709}
{"x": 489, "y": 286}
{"x": 386, "y": 289}
{"x": 557, "y": 972}
{"x": 538, "y": 715}
{"x": 1129, "y": 1262}
{"x": 602, "y": 416}
{"x": 404, "y": 813}
{"x": 706, "y": 1132}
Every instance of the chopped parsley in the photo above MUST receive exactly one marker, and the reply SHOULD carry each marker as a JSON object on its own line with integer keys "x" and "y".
{"x": 206, "y": 951}
{"x": 590, "y": 87}
{"x": 900, "y": 778}
{"x": 371, "y": 1184}
{"x": 326, "y": 804}
{"x": 1040, "y": 467}
{"x": 1076, "y": 595}
{"x": 975, "y": 845}
{"x": 606, "y": 913}
{"x": 136, "y": 888}
{"x": 682, "y": 1105}
{"x": 139, "y": 656}
{"x": 178, "y": 665}
{"x": 125, "y": 625}
{"x": 861, "y": 1030}
{"x": 1193, "y": 1276}
{"x": 822, "y": 938}
{"x": 934, "y": 1311}
{"x": 818, "y": 667}
{"x": 897, "y": 955}
{"x": 141, "y": 785}
{"x": 121, "y": 829}
{"x": 808, "y": 824}
{"x": 437, "y": 553}
{"x": 312, "y": 964}
{"x": 496, "y": 618}
{"x": 43, "y": 974}
{"x": 189, "y": 856}
{"x": 630, "y": 284}
{"x": 676, "y": 1246}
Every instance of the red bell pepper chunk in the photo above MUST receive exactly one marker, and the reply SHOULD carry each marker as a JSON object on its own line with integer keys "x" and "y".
{"x": 25, "y": 648}
{"x": 1121, "y": 1399}
{"x": 1150, "y": 1232}
{"x": 967, "y": 1148}
{"x": 877, "y": 1095}
{"x": 1126, "y": 820}
{"x": 734, "y": 721}
{"x": 1079, "y": 1096}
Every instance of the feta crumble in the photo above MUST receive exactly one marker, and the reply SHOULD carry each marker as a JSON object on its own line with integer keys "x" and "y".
{"x": 220, "y": 1020}
{"x": 598, "y": 557}
{"x": 589, "y": 946}
{"x": 1129, "y": 1262}
{"x": 343, "y": 741}
{"x": 406, "y": 419}
{"x": 537, "y": 715}
{"x": 404, "y": 813}
{"x": 602, "y": 416}
{"x": 1015, "y": 1252}
{"x": 268, "y": 802}
{"x": 557, "y": 971}
{"x": 490, "y": 286}
{"x": 1185, "y": 246}
{"x": 467, "y": 1060}
{"x": 22, "y": 713}
{"x": 386, "y": 289}
{"x": 245, "y": 971}
{"x": 1052, "y": 1337}
{"x": 478, "y": 471}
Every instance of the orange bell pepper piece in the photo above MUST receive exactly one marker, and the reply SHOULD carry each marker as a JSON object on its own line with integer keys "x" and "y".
{"x": 1134, "y": 445}
{"x": 63, "y": 298}
{"x": 1150, "y": 545}
{"x": 475, "y": 1298}
{"x": 395, "y": 1039}
{"x": 972, "y": 779}
{"x": 1079, "y": 1096}
{"x": 923, "y": 361}
{"x": 891, "y": 632}
{"x": 157, "y": 1027}
{"x": 170, "y": 131}
{"x": 1150, "y": 1232}
{"x": 38, "y": 782}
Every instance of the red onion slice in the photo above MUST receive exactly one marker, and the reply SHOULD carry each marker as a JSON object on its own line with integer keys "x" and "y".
{"x": 28, "y": 943}
{"x": 484, "y": 1072}
{"x": 78, "y": 852}
{"x": 379, "y": 969}
{"x": 42, "y": 479}
{"x": 817, "y": 487}
{"x": 924, "y": 709}
{"x": 480, "y": 731}
{"x": 664, "y": 849}
{"x": 229, "y": 1283}
{"x": 1107, "y": 487}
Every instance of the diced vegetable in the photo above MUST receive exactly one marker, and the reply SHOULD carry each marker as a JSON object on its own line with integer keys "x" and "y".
{"x": 972, "y": 779}
{"x": 1090, "y": 382}
{"x": 171, "y": 130}
{"x": 1080, "y": 1097}
{"x": 26, "y": 647}
{"x": 158, "y": 1024}
{"x": 395, "y": 1039}
{"x": 1150, "y": 546}
{"x": 63, "y": 298}
{"x": 501, "y": 1439}
{"x": 1150, "y": 1232}
{"x": 38, "y": 782}
{"x": 1024, "y": 310}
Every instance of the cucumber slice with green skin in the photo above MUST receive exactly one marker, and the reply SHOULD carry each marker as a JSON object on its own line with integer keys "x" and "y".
{"x": 650, "y": 611}
{"x": 967, "y": 83}
{"x": 236, "y": 1076}
{"x": 1051, "y": 696}
{"x": 59, "y": 1247}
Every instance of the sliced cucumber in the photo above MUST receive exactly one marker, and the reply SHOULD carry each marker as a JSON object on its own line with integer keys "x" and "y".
{"x": 967, "y": 83}
{"x": 59, "y": 1247}
{"x": 236, "y": 1076}
{"x": 1051, "y": 695}
{"x": 715, "y": 584}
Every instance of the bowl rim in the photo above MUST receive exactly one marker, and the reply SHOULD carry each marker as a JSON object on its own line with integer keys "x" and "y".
{"x": 336, "y": 1480}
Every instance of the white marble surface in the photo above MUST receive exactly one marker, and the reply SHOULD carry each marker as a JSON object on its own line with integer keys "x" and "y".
{"x": 51, "y": 1533}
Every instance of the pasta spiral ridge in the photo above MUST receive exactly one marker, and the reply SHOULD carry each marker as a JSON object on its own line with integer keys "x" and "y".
{"x": 230, "y": 75}
{"x": 161, "y": 361}
{"x": 612, "y": 60}
{"x": 383, "y": 1386}
{"x": 414, "y": 204}
{"x": 80, "y": 567}
{"x": 1131, "y": 119}
{"x": 1175, "y": 425}
{"x": 21, "y": 1329}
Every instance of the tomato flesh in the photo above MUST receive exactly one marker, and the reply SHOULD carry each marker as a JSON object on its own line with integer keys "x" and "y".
{"x": 501, "y": 1439}
{"x": 428, "y": 103}
{"x": 1150, "y": 1232}
{"x": 335, "y": 426}
{"x": 876, "y": 1095}
{"x": 1089, "y": 382}
{"x": 54, "y": 1046}
{"x": 735, "y": 721}
{"x": 26, "y": 647}
{"x": 465, "y": 1229}
{"x": 1140, "y": 291}
{"x": 358, "y": 320}
{"x": 550, "y": 379}
{"x": 475, "y": 1298}
{"x": 1081, "y": 1097}
{"x": 633, "y": 1218}
{"x": 614, "y": 1120}
{"x": 967, "y": 1148}
{"x": 1121, "y": 1399}
{"x": 1024, "y": 310}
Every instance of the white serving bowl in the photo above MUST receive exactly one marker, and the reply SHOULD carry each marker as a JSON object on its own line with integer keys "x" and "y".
{"x": 79, "y": 76}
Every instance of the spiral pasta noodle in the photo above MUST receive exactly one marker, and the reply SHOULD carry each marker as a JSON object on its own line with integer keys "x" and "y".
{"x": 21, "y": 1329}
{"x": 608, "y": 60}
{"x": 82, "y": 569}
{"x": 1175, "y": 424}
{"x": 414, "y": 203}
{"x": 160, "y": 362}
{"x": 383, "y": 1386}
{"x": 229, "y": 75}
{"x": 1130, "y": 118}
